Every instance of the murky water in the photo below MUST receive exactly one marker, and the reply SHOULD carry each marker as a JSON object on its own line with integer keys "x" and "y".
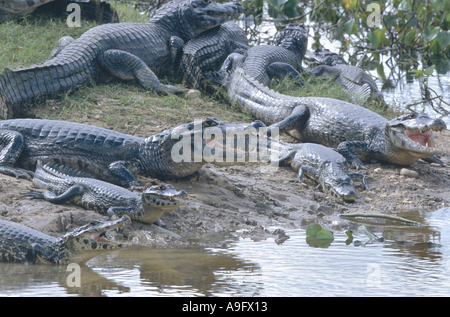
{"x": 405, "y": 264}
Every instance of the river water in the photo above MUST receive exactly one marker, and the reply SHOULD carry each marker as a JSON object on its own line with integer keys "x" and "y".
{"x": 412, "y": 261}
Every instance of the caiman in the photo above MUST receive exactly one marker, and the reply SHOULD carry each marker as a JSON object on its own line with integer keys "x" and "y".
{"x": 324, "y": 165}
{"x": 22, "y": 244}
{"x": 128, "y": 51}
{"x": 209, "y": 50}
{"x": 356, "y": 82}
{"x": 263, "y": 62}
{"x": 113, "y": 156}
{"x": 348, "y": 127}
{"x": 97, "y": 10}
{"x": 67, "y": 185}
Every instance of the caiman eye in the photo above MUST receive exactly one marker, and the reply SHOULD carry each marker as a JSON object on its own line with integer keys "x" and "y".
{"x": 162, "y": 187}
{"x": 206, "y": 1}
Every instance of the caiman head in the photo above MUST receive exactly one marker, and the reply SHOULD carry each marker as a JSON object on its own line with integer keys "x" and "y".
{"x": 158, "y": 199}
{"x": 413, "y": 133}
{"x": 192, "y": 17}
{"x": 294, "y": 38}
{"x": 86, "y": 242}
{"x": 214, "y": 140}
{"x": 323, "y": 56}
{"x": 341, "y": 187}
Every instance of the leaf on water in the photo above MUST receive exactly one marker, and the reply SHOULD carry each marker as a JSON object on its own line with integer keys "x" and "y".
{"x": 324, "y": 234}
{"x": 313, "y": 229}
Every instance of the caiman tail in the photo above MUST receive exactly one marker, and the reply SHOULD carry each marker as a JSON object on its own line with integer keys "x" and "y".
{"x": 53, "y": 76}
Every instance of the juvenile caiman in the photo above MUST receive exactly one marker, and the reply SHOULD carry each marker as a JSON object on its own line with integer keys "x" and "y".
{"x": 113, "y": 156}
{"x": 22, "y": 244}
{"x": 66, "y": 185}
{"x": 140, "y": 51}
{"x": 324, "y": 165}
{"x": 345, "y": 126}
{"x": 356, "y": 82}
{"x": 209, "y": 50}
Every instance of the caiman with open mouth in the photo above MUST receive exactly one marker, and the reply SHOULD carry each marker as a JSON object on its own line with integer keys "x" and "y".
{"x": 22, "y": 244}
{"x": 113, "y": 156}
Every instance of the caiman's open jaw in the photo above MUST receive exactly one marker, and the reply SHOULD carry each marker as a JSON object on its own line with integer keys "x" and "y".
{"x": 92, "y": 237}
{"x": 413, "y": 133}
{"x": 164, "y": 197}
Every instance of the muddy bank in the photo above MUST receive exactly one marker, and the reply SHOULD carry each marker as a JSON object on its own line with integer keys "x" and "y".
{"x": 246, "y": 200}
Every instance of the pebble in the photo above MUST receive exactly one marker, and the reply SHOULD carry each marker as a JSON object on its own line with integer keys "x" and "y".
{"x": 378, "y": 170}
{"x": 409, "y": 173}
{"x": 368, "y": 200}
{"x": 193, "y": 94}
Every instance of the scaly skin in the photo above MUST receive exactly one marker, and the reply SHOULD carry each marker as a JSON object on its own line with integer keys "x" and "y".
{"x": 324, "y": 165}
{"x": 209, "y": 50}
{"x": 356, "y": 82}
{"x": 25, "y": 245}
{"x": 263, "y": 62}
{"x": 109, "y": 155}
{"x": 127, "y": 51}
{"x": 65, "y": 185}
{"x": 352, "y": 129}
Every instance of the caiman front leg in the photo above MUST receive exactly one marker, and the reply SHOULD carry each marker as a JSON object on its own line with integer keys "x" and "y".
{"x": 123, "y": 175}
{"x": 361, "y": 178}
{"x": 127, "y": 66}
{"x": 11, "y": 145}
{"x": 435, "y": 159}
{"x": 306, "y": 170}
{"x": 296, "y": 120}
{"x": 349, "y": 150}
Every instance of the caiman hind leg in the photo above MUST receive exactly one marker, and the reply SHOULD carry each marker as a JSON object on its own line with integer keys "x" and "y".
{"x": 127, "y": 66}
{"x": 11, "y": 145}
{"x": 76, "y": 190}
{"x": 123, "y": 175}
{"x": 296, "y": 120}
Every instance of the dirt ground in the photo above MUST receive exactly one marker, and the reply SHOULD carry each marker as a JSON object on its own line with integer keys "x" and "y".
{"x": 245, "y": 200}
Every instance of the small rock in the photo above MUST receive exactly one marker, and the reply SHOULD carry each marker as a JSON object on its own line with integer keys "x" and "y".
{"x": 193, "y": 94}
{"x": 368, "y": 200}
{"x": 408, "y": 173}
{"x": 378, "y": 170}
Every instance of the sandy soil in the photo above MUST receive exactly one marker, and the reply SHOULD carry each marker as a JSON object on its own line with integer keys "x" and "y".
{"x": 245, "y": 200}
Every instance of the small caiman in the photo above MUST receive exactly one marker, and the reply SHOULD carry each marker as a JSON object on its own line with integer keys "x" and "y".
{"x": 22, "y": 244}
{"x": 66, "y": 185}
{"x": 324, "y": 165}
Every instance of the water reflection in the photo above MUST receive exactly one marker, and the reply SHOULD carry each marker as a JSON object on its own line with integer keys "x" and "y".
{"x": 412, "y": 261}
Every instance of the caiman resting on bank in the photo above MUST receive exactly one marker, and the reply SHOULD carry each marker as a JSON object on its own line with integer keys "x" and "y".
{"x": 209, "y": 50}
{"x": 355, "y": 81}
{"x": 263, "y": 62}
{"x": 348, "y": 127}
{"x": 22, "y": 244}
{"x": 323, "y": 164}
{"x": 66, "y": 185}
{"x": 140, "y": 51}
{"x": 113, "y": 156}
